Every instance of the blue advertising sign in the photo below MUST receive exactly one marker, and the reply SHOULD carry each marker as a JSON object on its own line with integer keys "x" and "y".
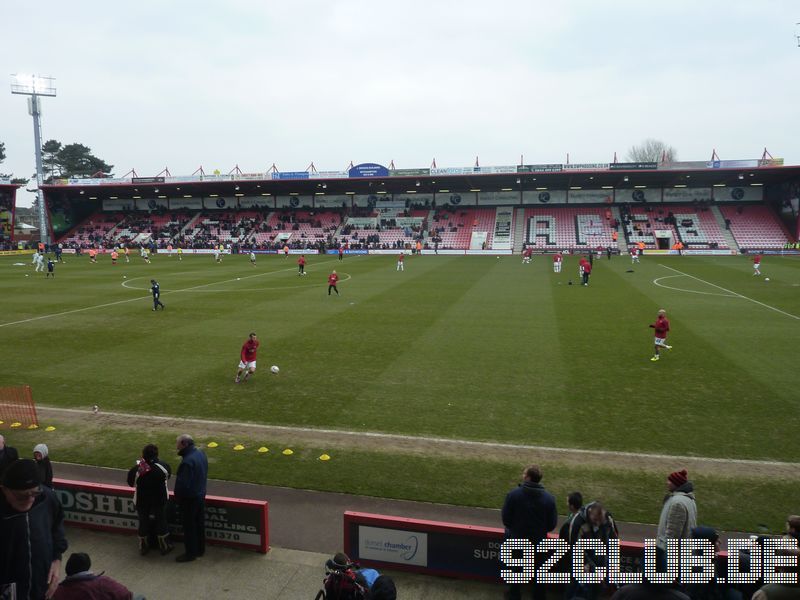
{"x": 290, "y": 175}
{"x": 369, "y": 170}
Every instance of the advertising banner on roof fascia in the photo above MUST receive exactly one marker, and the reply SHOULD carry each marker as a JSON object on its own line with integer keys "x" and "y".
{"x": 147, "y": 180}
{"x": 212, "y": 177}
{"x": 633, "y": 166}
{"x": 409, "y": 172}
{"x": 545, "y": 168}
{"x": 368, "y": 170}
{"x": 586, "y": 167}
{"x": 687, "y": 194}
{"x": 732, "y": 164}
{"x": 679, "y": 166}
{"x": 328, "y": 175}
{"x": 246, "y": 176}
{"x": 770, "y": 162}
{"x": 290, "y": 175}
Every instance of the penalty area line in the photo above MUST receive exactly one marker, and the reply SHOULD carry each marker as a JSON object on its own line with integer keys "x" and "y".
{"x": 732, "y": 293}
{"x": 428, "y": 439}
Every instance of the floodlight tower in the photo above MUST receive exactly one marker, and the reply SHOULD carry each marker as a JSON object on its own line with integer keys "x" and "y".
{"x": 36, "y": 86}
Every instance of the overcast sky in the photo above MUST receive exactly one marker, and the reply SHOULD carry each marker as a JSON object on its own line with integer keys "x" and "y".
{"x": 180, "y": 84}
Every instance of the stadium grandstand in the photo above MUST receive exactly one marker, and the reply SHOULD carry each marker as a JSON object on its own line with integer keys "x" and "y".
{"x": 705, "y": 207}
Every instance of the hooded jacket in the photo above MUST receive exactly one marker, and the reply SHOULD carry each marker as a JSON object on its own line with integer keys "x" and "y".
{"x": 529, "y": 512}
{"x": 44, "y": 465}
{"x": 678, "y": 515}
{"x": 29, "y": 543}
{"x": 149, "y": 477}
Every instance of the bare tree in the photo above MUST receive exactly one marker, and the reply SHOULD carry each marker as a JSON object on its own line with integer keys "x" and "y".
{"x": 652, "y": 150}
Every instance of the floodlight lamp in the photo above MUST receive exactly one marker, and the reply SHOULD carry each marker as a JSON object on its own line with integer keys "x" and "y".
{"x": 741, "y": 176}
{"x": 625, "y": 178}
{"x": 417, "y": 184}
{"x": 32, "y": 85}
{"x": 519, "y": 180}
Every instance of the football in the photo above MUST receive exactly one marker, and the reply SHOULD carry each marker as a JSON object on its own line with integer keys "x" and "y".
{"x": 275, "y": 369}
{"x": 766, "y": 279}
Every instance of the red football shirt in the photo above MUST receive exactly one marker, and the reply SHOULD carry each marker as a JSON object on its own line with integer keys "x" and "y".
{"x": 757, "y": 259}
{"x": 332, "y": 279}
{"x": 301, "y": 260}
{"x": 661, "y": 326}
{"x": 587, "y": 266}
{"x": 249, "y": 349}
{"x": 401, "y": 258}
{"x": 557, "y": 258}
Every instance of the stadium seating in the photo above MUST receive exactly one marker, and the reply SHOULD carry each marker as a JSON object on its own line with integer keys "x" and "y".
{"x": 93, "y": 231}
{"x": 755, "y": 226}
{"x": 704, "y": 230}
{"x": 554, "y": 228}
{"x": 453, "y": 227}
{"x": 301, "y": 225}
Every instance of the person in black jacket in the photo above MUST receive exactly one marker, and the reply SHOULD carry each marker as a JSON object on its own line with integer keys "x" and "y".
{"x": 529, "y": 513}
{"x": 149, "y": 476}
{"x": 31, "y": 518}
{"x": 7, "y": 455}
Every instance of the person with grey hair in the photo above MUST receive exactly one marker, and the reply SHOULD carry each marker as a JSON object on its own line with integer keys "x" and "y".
{"x": 190, "y": 494}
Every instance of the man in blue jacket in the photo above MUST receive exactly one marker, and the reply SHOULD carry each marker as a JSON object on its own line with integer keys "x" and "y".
{"x": 190, "y": 495}
{"x": 529, "y": 513}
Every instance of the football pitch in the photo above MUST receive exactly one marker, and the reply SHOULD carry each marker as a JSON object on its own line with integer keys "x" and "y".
{"x": 483, "y": 349}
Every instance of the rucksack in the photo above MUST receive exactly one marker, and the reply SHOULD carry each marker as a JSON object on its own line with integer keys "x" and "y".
{"x": 342, "y": 585}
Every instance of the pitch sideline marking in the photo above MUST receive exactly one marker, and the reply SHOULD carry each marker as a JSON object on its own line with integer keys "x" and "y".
{"x": 669, "y": 287}
{"x": 429, "y": 439}
{"x": 738, "y": 295}
{"x": 77, "y": 310}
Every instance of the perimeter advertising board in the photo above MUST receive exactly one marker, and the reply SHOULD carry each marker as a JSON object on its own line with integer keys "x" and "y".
{"x": 229, "y": 521}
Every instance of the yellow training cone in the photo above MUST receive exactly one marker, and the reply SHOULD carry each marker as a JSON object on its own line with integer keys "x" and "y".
{"x": 324, "y": 457}
{"x": 49, "y": 428}
{"x": 33, "y": 426}
{"x": 212, "y": 444}
{"x": 16, "y": 424}
{"x": 1, "y": 422}
{"x": 238, "y": 447}
{"x": 288, "y": 452}
{"x": 263, "y": 449}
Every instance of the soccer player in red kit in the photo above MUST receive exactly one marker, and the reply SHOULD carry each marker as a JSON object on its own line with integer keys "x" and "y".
{"x": 332, "y": 279}
{"x": 341, "y": 252}
{"x": 587, "y": 270}
{"x": 757, "y": 264}
{"x": 557, "y": 258}
{"x": 301, "y": 265}
{"x": 247, "y": 363}
{"x": 662, "y": 327}
{"x": 401, "y": 262}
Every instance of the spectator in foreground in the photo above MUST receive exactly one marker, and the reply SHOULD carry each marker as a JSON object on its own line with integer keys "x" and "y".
{"x": 529, "y": 512}
{"x": 678, "y": 515}
{"x": 592, "y": 522}
{"x": 714, "y": 590}
{"x": 8, "y": 455}
{"x": 574, "y": 505}
{"x": 149, "y": 476}
{"x": 31, "y": 517}
{"x": 190, "y": 494}
{"x": 82, "y": 584}
{"x": 781, "y": 591}
{"x": 40, "y": 455}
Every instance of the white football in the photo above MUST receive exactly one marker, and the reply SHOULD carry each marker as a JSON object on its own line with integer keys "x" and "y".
{"x": 766, "y": 279}
{"x": 275, "y": 369}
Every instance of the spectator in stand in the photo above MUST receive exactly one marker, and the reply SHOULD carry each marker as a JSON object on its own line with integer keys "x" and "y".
{"x": 784, "y": 591}
{"x": 40, "y": 455}
{"x": 714, "y": 590}
{"x": 8, "y": 455}
{"x": 592, "y": 522}
{"x": 149, "y": 476}
{"x": 31, "y": 518}
{"x": 529, "y": 512}
{"x": 574, "y": 505}
{"x": 82, "y": 584}
{"x": 678, "y": 515}
{"x": 190, "y": 494}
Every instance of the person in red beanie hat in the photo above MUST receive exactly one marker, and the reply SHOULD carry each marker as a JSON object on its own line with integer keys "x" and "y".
{"x": 678, "y": 515}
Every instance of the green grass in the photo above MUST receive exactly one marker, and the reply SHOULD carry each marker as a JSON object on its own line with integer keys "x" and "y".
{"x": 461, "y": 347}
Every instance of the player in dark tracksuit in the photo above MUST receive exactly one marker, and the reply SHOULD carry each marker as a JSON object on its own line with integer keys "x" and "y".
{"x": 51, "y": 268}
{"x": 156, "y": 289}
